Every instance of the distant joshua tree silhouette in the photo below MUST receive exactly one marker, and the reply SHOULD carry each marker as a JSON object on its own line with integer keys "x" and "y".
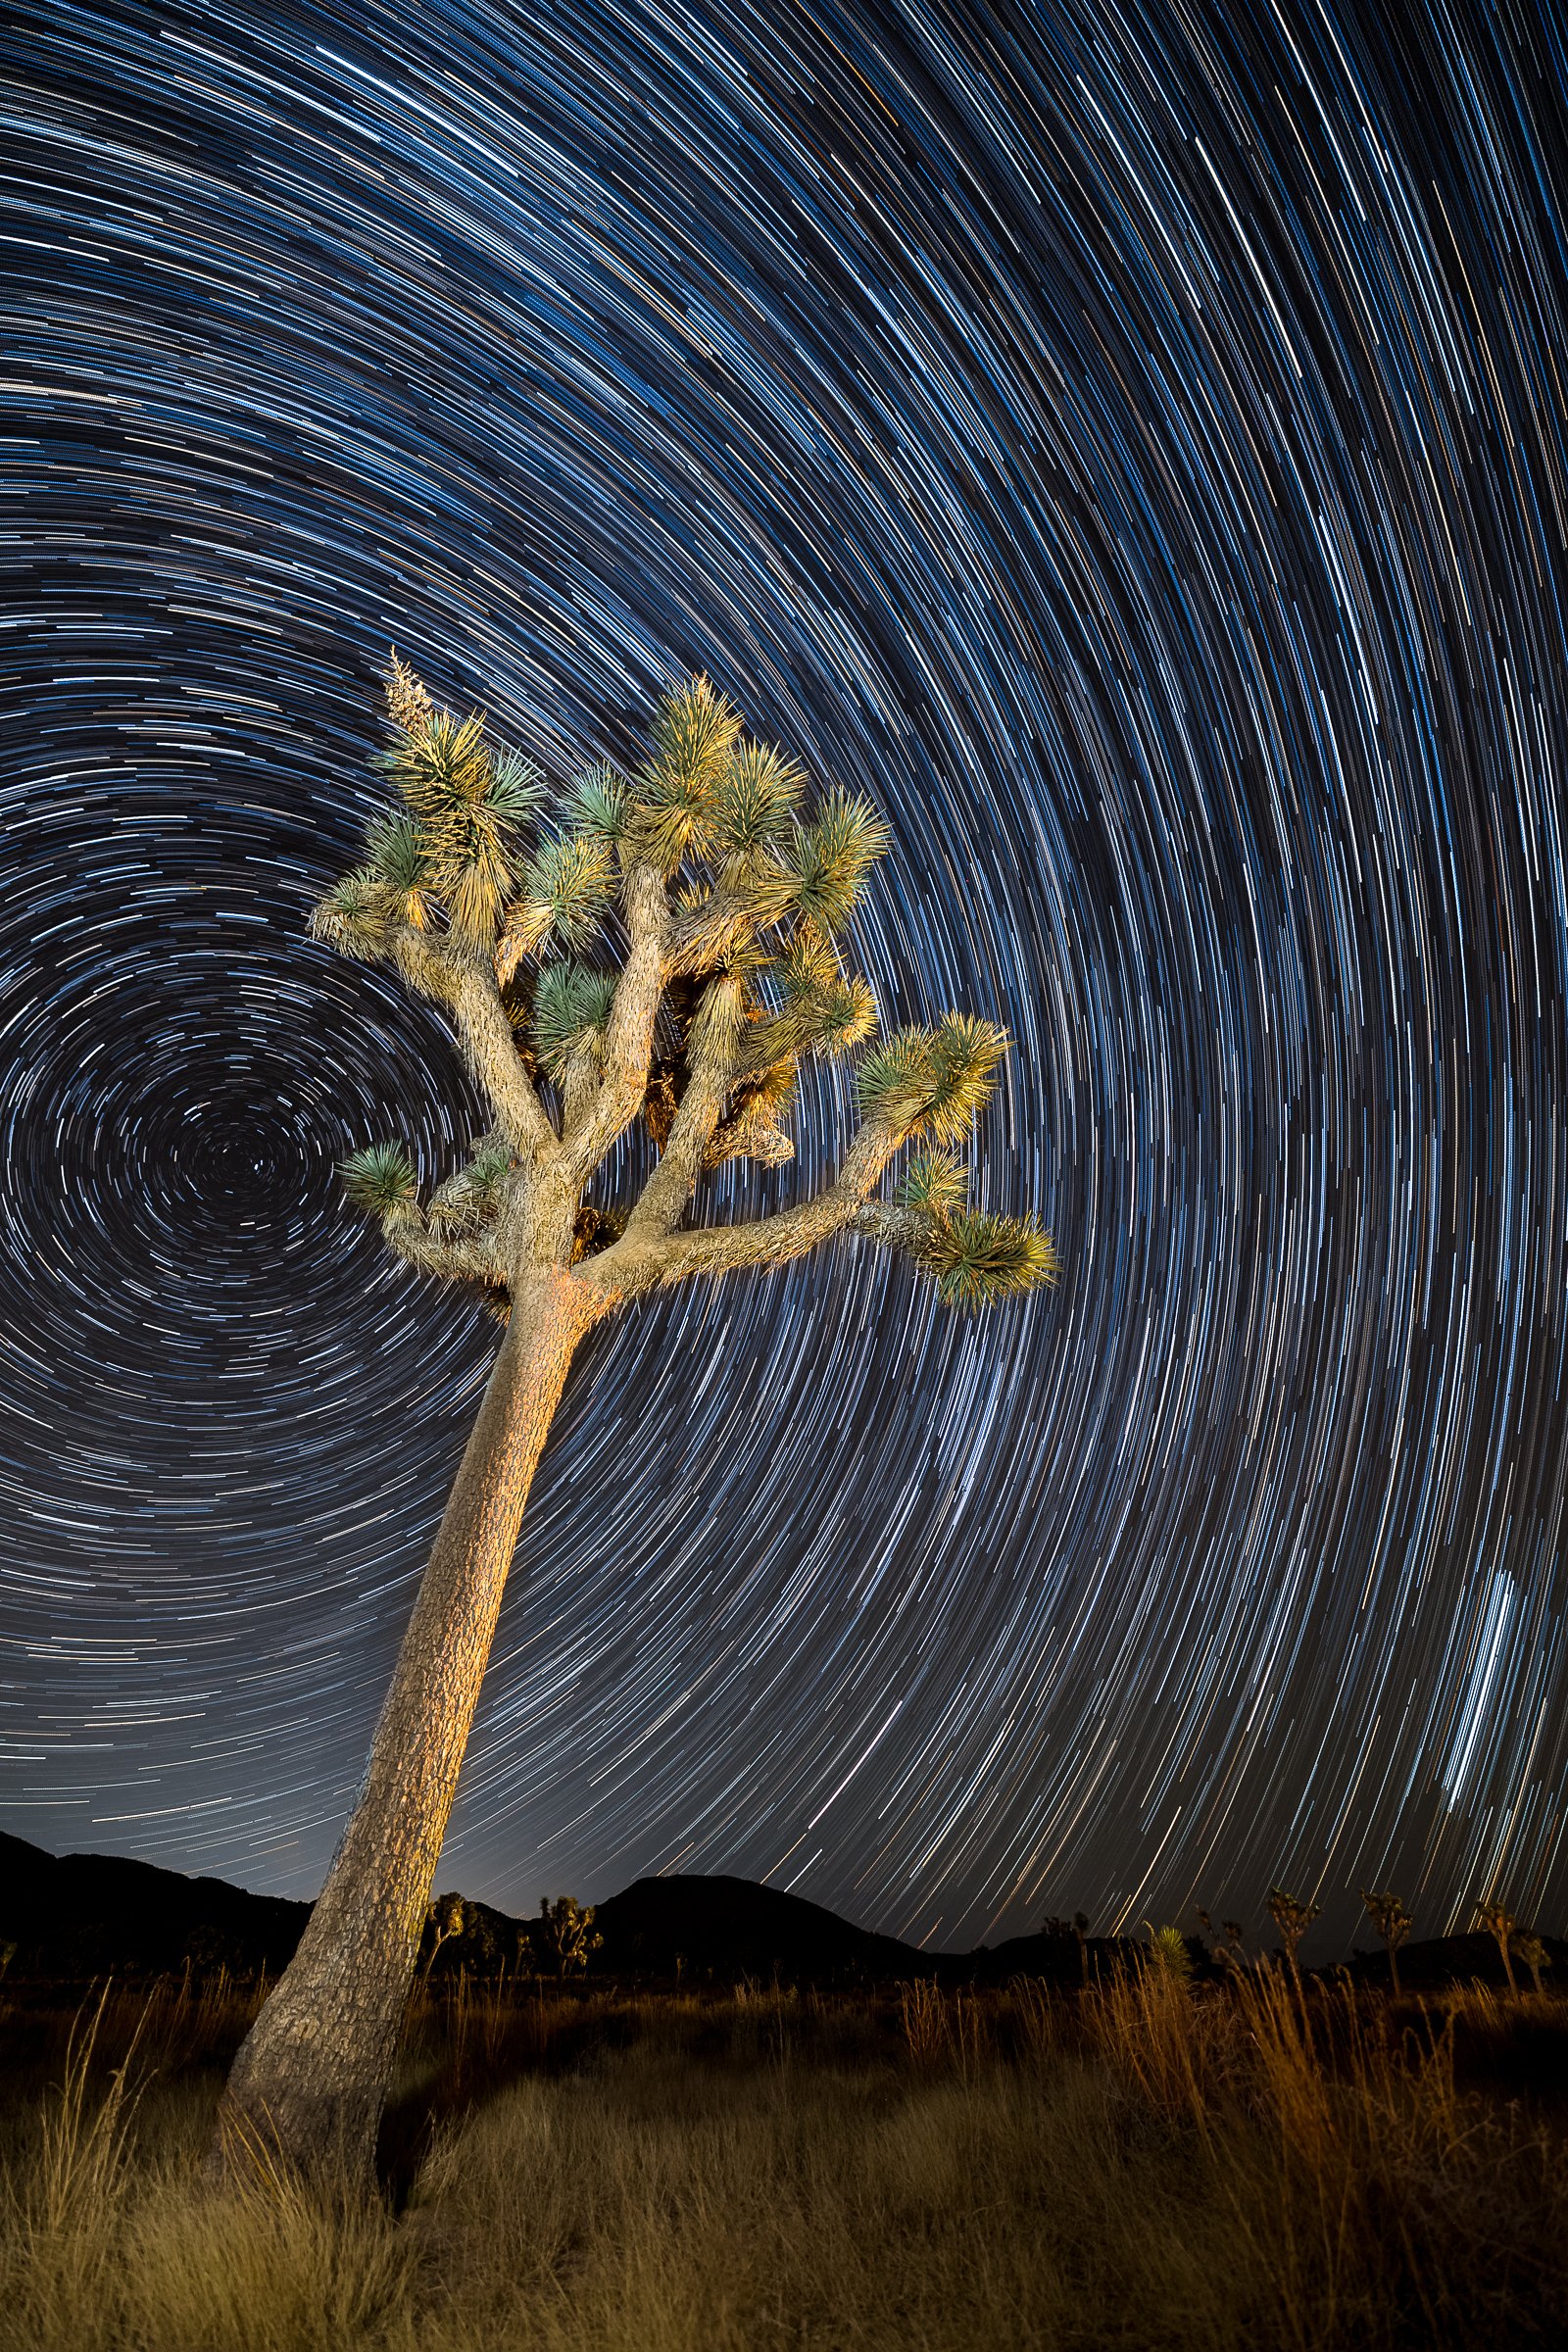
{"x": 1535, "y": 1955}
{"x": 446, "y": 1917}
{"x": 1077, "y": 1928}
{"x": 1393, "y": 1922}
{"x": 566, "y": 1933}
{"x": 1292, "y": 1919}
{"x": 1502, "y": 1925}
{"x": 1230, "y": 1952}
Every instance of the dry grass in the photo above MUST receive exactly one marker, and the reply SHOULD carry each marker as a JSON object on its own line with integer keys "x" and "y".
{"x": 919, "y": 2172}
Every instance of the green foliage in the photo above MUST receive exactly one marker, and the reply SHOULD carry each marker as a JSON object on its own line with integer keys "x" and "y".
{"x": 676, "y": 805}
{"x": 977, "y": 1257}
{"x": 935, "y": 1183}
{"x": 517, "y": 788}
{"x": 753, "y": 805}
{"x": 963, "y": 1056}
{"x": 844, "y": 1015}
{"x": 379, "y": 1178}
{"x": 830, "y": 858}
{"x": 570, "y": 1008}
{"x": 1170, "y": 1956}
{"x": 821, "y": 1009}
{"x": 597, "y": 804}
{"x": 352, "y": 916}
{"x": 395, "y": 854}
{"x": 472, "y": 1197}
{"x": 894, "y": 1081}
{"x": 932, "y": 1082}
{"x": 489, "y": 1167}
{"x": 568, "y": 886}
{"x": 465, "y": 804}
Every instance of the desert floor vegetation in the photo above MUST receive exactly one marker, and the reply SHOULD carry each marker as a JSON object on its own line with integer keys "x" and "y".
{"x": 912, "y": 2170}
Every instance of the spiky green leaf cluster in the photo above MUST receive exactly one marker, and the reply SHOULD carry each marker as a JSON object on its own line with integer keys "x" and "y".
{"x": 936, "y": 1183}
{"x": 465, "y": 805}
{"x": 977, "y": 1257}
{"x": 830, "y": 858}
{"x": 568, "y": 887}
{"x": 395, "y": 854}
{"x": 597, "y": 802}
{"x": 570, "y": 1008}
{"x": 379, "y": 1178}
{"x": 932, "y": 1082}
{"x": 352, "y": 917}
{"x": 821, "y": 1007}
{"x": 754, "y": 803}
{"x": 489, "y": 1167}
{"x": 965, "y": 1053}
{"x": 674, "y": 817}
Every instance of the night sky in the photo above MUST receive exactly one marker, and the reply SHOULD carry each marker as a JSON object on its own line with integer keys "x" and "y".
{"x": 1131, "y": 446}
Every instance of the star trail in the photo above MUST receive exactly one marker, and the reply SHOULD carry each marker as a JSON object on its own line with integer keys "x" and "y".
{"x": 1130, "y": 445}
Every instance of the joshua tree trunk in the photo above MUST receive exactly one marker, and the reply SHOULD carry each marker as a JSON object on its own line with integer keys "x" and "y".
{"x": 308, "y": 2086}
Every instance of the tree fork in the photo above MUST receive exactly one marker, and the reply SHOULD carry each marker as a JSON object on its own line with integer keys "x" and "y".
{"x": 309, "y": 2084}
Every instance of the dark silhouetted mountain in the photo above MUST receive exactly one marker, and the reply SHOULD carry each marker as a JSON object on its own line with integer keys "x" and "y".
{"x": 76, "y": 1916}
{"x": 729, "y": 1928}
{"x": 82, "y": 1915}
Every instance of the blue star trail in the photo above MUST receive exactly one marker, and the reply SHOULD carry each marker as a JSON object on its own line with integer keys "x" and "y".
{"x": 1131, "y": 445}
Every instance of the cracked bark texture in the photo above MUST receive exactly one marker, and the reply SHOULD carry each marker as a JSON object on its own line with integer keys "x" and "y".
{"x": 309, "y": 2084}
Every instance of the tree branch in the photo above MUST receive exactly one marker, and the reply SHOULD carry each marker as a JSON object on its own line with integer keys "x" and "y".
{"x": 663, "y": 1198}
{"x": 455, "y": 1257}
{"x": 629, "y": 1031}
{"x": 470, "y": 993}
{"x": 895, "y": 1228}
{"x": 636, "y": 1263}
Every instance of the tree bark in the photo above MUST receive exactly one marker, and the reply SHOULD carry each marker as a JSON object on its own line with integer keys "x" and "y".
{"x": 308, "y": 2087}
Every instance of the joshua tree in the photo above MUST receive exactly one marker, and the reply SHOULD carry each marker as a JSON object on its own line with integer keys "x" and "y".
{"x": 1535, "y": 1955}
{"x": 1502, "y": 1925}
{"x": 1393, "y": 1923}
{"x": 1230, "y": 1951}
{"x": 1170, "y": 1956}
{"x": 1076, "y": 1930}
{"x": 1292, "y": 1919}
{"x": 635, "y": 969}
{"x": 566, "y": 1934}
{"x": 446, "y": 1917}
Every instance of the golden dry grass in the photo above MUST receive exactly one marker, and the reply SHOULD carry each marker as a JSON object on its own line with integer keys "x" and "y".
{"x": 916, "y": 2172}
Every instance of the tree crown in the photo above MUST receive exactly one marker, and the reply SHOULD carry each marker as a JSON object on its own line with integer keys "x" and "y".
{"x": 657, "y": 951}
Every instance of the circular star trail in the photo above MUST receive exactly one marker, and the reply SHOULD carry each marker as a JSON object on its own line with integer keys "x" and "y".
{"x": 1132, "y": 449}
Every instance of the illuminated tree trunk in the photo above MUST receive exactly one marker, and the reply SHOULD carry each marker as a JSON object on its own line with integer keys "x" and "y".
{"x": 309, "y": 2084}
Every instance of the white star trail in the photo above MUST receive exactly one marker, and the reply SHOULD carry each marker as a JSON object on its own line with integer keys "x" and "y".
{"x": 1131, "y": 444}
